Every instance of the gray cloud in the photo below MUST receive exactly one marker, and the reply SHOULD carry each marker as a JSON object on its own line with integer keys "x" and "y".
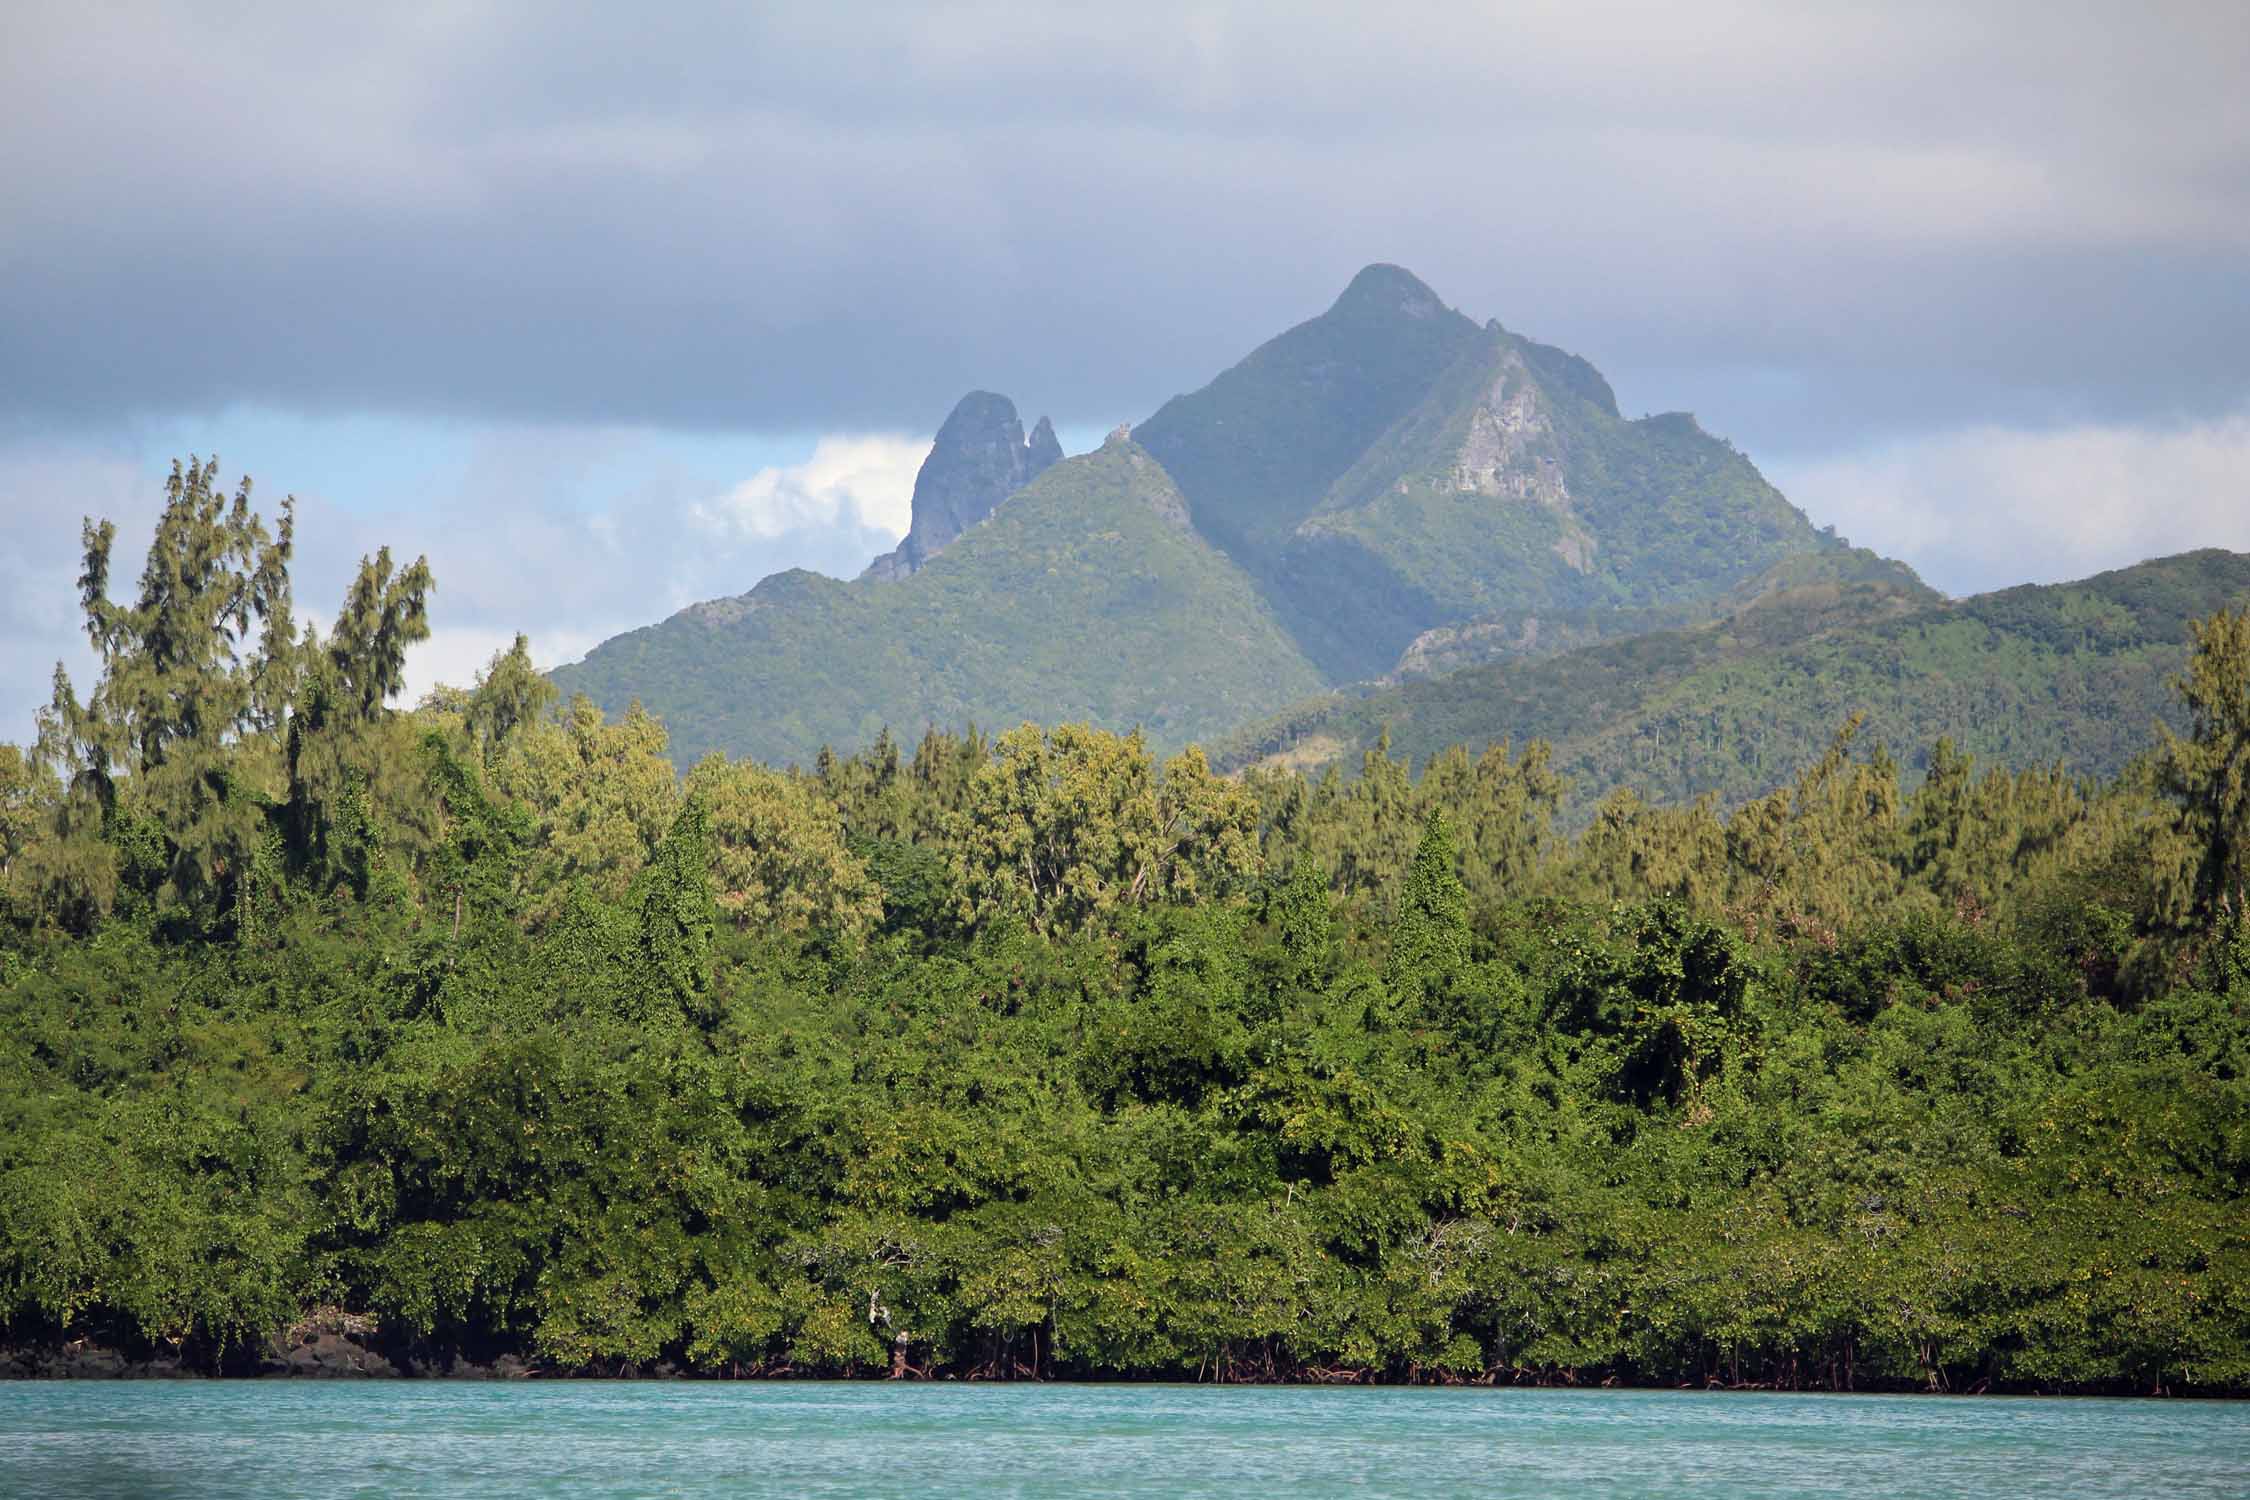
{"x": 1985, "y": 507}
{"x": 1957, "y": 274}
{"x": 1812, "y": 224}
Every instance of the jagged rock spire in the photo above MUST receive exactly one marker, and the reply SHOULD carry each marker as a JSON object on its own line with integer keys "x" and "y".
{"x": 1045, "y": 450}
{"x": 980, "y": 458}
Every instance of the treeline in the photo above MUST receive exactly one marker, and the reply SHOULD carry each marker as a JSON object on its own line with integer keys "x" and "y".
{"x": 1033, "y": 1056}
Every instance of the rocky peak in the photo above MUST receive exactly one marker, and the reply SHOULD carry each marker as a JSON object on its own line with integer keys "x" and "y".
{"x": 1387, "y": 291}
{"x": 1045, "y": 450}
{"x": 980, "y": 458}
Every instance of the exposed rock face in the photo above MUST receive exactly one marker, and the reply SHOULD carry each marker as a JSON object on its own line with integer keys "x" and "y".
{"x": 1513, "y": 452}
{"x": 1044, "y": 449}
{"x": 981, "y": 457}
{"x": 1451, "y": 646}
{"x": 1512, "y": 449}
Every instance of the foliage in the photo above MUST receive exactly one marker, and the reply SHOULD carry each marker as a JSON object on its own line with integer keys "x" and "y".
{"x": 1429, "y": 938}
{"x": 602, "y": 794}
{"x": 779, "y": 854}
{"x": 1063, "y": 829}
{"x": 2068, "y": 674}
{"x": 1084, "y": 597}
{"x": 1038, "y": 1057}
{"x": 2207, "y": 772}
{"x": 1292, "y": 526}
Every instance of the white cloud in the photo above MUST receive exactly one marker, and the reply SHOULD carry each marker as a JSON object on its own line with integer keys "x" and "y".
{"x": 865, "y": 479}
{"x": 1984, "y": 507}
{"x": 505, "y": 553}
{"x": 455, "y": 654}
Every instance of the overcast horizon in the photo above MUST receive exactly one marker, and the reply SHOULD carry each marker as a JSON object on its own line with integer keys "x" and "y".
{"x": 609, "y": 314}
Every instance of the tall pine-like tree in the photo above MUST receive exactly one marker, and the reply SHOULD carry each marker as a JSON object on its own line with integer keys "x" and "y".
{"x": 2207, "y": 773}
{"x": 1430, "y": 930}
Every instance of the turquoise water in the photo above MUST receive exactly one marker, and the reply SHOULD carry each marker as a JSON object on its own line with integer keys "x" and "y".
{"x": 299, "y": 1438}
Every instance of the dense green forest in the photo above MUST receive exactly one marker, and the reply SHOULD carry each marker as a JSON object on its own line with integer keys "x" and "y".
{"x": 476, "y": 1030}
{"x": 1729, "y": 707}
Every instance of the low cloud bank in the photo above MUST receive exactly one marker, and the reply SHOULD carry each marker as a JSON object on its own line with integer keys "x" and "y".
{"x": 1985, "y": 507}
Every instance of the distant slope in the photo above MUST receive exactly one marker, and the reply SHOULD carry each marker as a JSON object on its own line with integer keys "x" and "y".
{"x": 1256, "y": 450}
{"x": 1836, "y": 585}
{"x": 1516, "y": 483}
{"x": 1390, "y": 467}
{"x": 1085, "y": 596}
{"x": 1383, "y": 471}
{"x": 2074, "y": 673}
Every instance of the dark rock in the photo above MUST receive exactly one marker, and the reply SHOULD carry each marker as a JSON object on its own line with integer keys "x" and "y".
{"x": 328, "y": 1344}
{"x": 1045, "y": 450}
{"x": 82, "y": 1359}
{"x": 980, "y": 458}
{"x": 90, "y": 1363}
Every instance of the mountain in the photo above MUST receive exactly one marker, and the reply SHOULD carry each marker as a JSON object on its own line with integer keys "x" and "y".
{"x": 1257, "y": 449}
{"x": 1087, "y": 595}
{"x": 1384, "y": 470}
{"x": 980, "y": 458}
{"x": 1837, "y": 585}
{"x": 2071, "y": 673}
{"x": 1391, "y": 467}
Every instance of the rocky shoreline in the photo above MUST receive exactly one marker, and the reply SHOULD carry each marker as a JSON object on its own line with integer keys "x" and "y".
{"x": 330, "y": 1343}
{"x": 325, "y": 1351}
{"x": 327, "y": 1344}
{"x": 325, "y": 1356}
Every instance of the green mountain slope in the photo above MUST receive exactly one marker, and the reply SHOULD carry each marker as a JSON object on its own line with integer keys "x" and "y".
{"x": 1515, "y": 482}
{"x": 1390, "y": 467}
{"x": 1383, "y": 471}
{"x": 1834, "y": 586}
{"x": 2072, "y": 673}
{"x": 1087, "y": 596}
{"x": 1256, "y": 450}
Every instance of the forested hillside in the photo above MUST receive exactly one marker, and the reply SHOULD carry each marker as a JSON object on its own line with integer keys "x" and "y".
{"x": 2071, "y": 675}
{"x": 471, "y": 1036}
{"x": 1376, "y": 472}
{"x": 996, "y": 629}
{"x": 1806, "y": 592}
{"x": 1516, "y": 484}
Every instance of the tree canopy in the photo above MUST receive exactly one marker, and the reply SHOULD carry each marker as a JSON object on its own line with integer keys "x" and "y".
{"x": 473, "y": 1026}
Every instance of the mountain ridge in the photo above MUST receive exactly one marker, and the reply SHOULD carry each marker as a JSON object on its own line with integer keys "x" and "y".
{"x": 1387, "y": 509}
{"x": 1432, "y": 469}
{"x": 2073, "y": 673}
{"x": 985, "y": 632}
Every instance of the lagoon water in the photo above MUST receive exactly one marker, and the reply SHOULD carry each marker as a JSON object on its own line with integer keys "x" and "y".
{"x": 299, "y": 1438}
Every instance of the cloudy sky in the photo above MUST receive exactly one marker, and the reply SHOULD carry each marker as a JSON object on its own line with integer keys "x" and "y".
{"x": 607, "y": 311}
